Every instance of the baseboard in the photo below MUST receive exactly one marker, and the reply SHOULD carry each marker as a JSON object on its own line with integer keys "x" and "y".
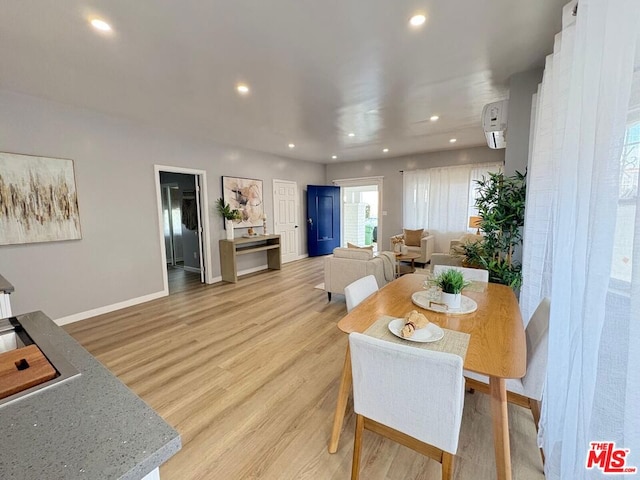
{"x": 191, "y": 269}
{"x": 109, "y": 308}
{"x": 240, "y": 273}
{"x": 253, "y": 270}
{"x": 299, "y": 257}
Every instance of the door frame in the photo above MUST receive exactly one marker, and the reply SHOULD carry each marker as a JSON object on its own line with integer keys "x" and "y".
{"x": 204, "y": 234}
{"x": 361, "y": 182}
{"x": 298, "y": 211}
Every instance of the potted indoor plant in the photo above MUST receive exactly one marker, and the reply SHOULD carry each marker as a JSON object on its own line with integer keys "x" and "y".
{"x": 451, "y": 282}
{"x": 500, "y": 203}
{"x": 229, "y": 215}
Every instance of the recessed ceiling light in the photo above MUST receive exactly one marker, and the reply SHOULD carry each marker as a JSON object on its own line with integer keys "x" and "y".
{"x": 334, "y": 157}
{"x": 434, "y": 118}
{"x": 242, "y": 88}
{"x": 351, "y": 134}
{"x": 100, "y": 25}
{"x": 417, "y": 20}
{"x": 292, "y": 145}
{"x": 453, "y": 140}
{"x": 385, "y": 150}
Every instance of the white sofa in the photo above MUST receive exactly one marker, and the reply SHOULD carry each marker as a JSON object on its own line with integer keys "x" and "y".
{"x": 425, "y": 250}
{"x": 347, "y": 265}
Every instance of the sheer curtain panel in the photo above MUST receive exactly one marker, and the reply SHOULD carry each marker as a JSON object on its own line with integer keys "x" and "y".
{"x": 439, "y": 199}
{"x": 582, "y": 237}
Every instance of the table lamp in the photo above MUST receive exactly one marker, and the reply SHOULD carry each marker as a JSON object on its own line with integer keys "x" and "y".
{"x": 474, "y": 222}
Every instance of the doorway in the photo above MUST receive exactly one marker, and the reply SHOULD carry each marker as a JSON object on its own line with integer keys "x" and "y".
{"x": 361, "y": 202}
{"x": 323, "y": 219}
{"x": 172, "y": 221}
{"x": 183, "y": 227}
{"x": 286, "y": 212}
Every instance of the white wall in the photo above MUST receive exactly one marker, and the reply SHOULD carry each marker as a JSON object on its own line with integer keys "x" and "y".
{"x": 119, "y": 256}
{"x": 521, "y": 88}
{"x": 389, "y": 168}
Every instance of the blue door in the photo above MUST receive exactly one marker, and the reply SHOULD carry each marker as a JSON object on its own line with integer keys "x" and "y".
{"x": 323, "y": 219}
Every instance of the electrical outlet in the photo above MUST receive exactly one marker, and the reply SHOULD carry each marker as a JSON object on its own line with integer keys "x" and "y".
{"x": 195, "y": 255}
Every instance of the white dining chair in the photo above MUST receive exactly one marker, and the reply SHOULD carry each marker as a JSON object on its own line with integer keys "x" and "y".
{"x": 475, "y": 274}
{"x": 357, "y": 291}
{"x": 526, "y": 391}
{"x": 410, "y": 395}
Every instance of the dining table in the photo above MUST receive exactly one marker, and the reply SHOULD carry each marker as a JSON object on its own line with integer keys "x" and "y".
{"x": 497, "y": 346}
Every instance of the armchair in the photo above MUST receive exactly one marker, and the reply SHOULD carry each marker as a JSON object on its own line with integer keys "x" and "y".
{"x": 425, "y": 249}
{"x": 454, "y": 256}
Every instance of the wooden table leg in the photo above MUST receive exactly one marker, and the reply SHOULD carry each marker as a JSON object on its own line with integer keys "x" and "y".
{"x": 341, "y": 404}
{"x": 499, "y": 415}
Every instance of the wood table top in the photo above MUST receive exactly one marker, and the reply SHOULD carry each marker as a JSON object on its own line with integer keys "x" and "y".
{"x": 497, "y": 346}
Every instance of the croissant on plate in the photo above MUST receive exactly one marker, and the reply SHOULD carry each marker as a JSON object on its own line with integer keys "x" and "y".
{"x": 412, "y": 322}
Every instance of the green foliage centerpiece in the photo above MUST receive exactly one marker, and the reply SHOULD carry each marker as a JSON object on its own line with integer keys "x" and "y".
{"x": 229, "y": 215}
{"x": 225, "y": 210}
{"x": 451, "y": 282}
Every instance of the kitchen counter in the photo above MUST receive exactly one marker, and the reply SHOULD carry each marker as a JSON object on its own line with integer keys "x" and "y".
{"x": 5, "y": 286}
{"x": 90, "y": 426}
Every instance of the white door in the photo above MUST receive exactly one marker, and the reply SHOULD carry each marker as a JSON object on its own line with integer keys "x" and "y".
{"x": 285, "y": 222}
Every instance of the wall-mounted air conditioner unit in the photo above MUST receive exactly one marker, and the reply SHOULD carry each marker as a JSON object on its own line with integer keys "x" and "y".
{"x": 494, "y": 123}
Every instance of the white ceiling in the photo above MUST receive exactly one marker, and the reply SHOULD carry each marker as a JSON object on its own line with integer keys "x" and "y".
{"x": 317, "y": 69}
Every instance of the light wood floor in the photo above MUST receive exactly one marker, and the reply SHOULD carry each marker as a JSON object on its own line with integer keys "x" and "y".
{"x": 248, "y": 374}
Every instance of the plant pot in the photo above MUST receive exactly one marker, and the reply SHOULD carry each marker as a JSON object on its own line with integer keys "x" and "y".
{"x": 228, "y": 225}
{"x": 451, "y": 300}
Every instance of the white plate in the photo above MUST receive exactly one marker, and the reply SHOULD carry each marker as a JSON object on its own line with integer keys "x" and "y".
{"x": 423, "y": 299}
{"x": 430, "y": 333}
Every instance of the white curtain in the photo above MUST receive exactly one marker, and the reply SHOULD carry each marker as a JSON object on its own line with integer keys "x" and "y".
{"x": 441, "y": 199}
{"x": 582, "y": 236}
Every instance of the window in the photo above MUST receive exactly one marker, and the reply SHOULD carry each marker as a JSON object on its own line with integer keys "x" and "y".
{"x": 622, "y": 261}
{"x": 443, "y": 198}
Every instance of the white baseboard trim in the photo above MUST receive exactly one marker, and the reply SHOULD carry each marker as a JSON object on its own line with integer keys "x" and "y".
{"x": 191, "y": 269}
{"x": 109, "y": 308}
{"x": 253, "y": 270}
{"x": 240, "y": 273}
{"x": 299, "y": 257}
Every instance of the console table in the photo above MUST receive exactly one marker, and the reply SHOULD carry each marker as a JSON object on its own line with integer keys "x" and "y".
{"x": 230, "y": 249}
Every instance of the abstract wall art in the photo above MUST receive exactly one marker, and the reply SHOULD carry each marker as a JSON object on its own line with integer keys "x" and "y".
{"x": 38, "y": 200}
{"x": 244, "y": 194}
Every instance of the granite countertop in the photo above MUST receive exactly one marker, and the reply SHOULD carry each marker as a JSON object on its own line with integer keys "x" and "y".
{"x": 5, "y": 286}
{"x": 90, "y": 426}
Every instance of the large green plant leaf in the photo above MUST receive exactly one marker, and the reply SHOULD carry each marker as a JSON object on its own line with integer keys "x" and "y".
{"x": 501, "y": 203}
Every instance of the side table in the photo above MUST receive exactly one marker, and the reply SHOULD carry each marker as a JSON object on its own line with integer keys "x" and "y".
{"x": 406, "y": 257}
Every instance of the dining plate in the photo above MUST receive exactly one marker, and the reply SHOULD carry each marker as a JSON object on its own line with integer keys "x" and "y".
{"x": 430, "y": 333}
{"x": 423, "y": 299}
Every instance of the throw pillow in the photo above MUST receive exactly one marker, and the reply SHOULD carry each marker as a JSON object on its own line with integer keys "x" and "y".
{"x": 353, "y": 245}
{"x": 412, "y": 237}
